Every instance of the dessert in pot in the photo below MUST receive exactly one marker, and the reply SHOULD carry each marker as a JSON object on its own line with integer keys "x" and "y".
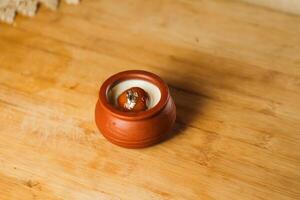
{"x": 134, "y": 99}
{"x": 135, "y": 109}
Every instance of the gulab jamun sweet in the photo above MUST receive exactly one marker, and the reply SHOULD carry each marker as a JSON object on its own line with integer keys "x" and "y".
{"x": 134, "y": 99}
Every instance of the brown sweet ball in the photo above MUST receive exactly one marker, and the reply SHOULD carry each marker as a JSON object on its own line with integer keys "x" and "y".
{"x": 134, "y": 99}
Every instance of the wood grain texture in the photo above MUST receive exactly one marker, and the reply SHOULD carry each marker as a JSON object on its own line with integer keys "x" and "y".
{"x": 289, "y": 6}
{"x": 234, "y": 73}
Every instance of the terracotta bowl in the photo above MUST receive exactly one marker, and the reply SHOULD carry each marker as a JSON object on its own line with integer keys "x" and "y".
{"x": 135, "y": 130}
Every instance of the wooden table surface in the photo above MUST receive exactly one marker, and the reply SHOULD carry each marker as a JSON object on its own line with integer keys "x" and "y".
{"x": 233, "y": 70}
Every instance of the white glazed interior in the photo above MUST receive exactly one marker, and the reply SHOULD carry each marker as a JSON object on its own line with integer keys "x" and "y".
{"x": 152, "y": 90}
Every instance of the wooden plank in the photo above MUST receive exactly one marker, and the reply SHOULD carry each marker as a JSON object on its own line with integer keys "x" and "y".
{"x": 289, "y": 6}
{"x": 234, "y": 76}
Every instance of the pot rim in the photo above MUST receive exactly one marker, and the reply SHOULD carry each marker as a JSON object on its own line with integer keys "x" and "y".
{"x": 134, "y": 74}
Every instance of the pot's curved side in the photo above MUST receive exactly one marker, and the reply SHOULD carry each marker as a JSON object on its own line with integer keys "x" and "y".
{"x": 135, "y": 134}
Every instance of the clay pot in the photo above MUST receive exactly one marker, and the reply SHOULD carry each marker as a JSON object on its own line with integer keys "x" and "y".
{"x": 135, "y": 130}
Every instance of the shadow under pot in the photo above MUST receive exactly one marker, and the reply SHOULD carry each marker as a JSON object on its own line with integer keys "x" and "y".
{"x": 135, "y": 109}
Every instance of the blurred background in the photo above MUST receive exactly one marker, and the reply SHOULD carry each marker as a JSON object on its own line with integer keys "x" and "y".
{"x": 289, "y": 6}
